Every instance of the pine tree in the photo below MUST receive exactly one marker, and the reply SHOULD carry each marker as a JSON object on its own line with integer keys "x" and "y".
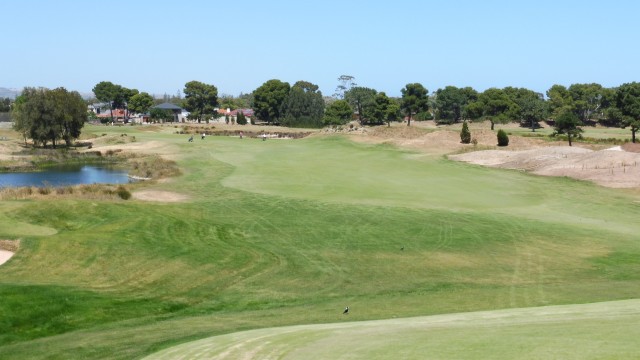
{"x": 465, "y": 135}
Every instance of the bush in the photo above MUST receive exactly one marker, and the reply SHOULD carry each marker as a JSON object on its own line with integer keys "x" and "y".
{"x": 123, "y": 193}
{"x": 465, "y": 134}
{"x": 503, "y": 138}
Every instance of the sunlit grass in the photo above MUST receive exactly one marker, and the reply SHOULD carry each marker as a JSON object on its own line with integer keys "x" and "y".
{"x": 287, "y": 232}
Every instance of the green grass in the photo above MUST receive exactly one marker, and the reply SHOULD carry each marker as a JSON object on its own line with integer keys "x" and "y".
{"x": 288, "y": 232}
{"x": 594, "y": 133}
{"x": 594, "y": 331}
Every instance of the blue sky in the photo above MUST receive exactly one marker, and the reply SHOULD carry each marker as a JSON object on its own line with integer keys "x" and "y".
{"x": 158, "y": 46}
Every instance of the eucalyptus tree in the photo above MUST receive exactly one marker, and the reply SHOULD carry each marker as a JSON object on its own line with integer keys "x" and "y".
{"x": 304, "y": 106}
{"x": 531, "y": 106}
{"x": 345, "y": 83}
{"x": 49, "y": 115}
{"x": 560, "y": 100}
{"x": 70, "y": 113}
{"x": 415, "y": 99}
{"x": 533, "y": 109}
{"x": 588, "y": 99}
{"x": 200, "y": 99}
{"x": 268, "y": 100}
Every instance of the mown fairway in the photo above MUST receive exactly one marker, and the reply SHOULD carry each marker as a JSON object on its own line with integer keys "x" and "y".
{"x": 606, "y": 330}
{"x": 287, "y": 232}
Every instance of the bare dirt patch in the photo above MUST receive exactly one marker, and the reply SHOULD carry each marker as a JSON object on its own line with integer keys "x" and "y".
{"x": 10, "y": 245}
{"x": 631, "y": 147}
{"x": 145, "y": 147}
{"x": 159, "y": 196}
{"x": 612, "y": 166}
{"x": 427, "y": 137}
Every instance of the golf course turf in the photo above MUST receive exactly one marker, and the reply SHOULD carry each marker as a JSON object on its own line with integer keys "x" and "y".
{"x": 289, "y": 232}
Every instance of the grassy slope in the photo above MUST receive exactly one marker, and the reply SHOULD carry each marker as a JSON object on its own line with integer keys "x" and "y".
{"x": 593, "y": 331}
{"x": 589, "y": 132}
{"x": 288, "y": 232}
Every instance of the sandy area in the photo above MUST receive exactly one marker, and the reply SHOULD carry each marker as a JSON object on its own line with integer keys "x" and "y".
{"x": 157, "y": 195}
{"x": 5, "y": 256}
{"x": 610, "y": 167}
{"x": 615, "y": 166}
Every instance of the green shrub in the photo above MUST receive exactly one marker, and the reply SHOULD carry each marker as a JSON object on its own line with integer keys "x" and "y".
{"x": 465, "y": 134}
{"x": 123, "y": 193}
{"x": 503, "y": 138}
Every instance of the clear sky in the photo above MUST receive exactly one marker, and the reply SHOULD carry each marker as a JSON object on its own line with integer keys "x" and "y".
{"x": 157, "y": 46}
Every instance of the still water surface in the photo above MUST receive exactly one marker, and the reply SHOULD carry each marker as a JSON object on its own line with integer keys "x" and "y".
{"x": 74, "y": 175}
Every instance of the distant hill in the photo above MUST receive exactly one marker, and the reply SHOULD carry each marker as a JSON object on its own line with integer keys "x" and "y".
{"x": 13, "y": 93}
{"x": 8, "y": 93}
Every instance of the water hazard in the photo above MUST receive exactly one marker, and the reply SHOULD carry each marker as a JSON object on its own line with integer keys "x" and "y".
{"x": 65, "y": 176}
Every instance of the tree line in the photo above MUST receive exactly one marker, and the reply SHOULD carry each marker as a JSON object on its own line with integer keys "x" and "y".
{"x": 582, "y": 104}
{"x": 52, "y": 115}
{"x": 303, "y": 105}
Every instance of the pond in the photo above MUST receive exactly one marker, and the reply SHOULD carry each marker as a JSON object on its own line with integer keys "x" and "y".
{"x": 65, "y": 176}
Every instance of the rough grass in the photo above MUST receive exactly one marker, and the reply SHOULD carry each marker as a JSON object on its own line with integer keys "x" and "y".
{"x": 86, "y": 192}
{"x": 152, "y": 167}
{"x": 289, "y": 232}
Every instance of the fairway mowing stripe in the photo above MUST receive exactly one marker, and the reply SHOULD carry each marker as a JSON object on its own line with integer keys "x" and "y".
{"x": 514, "y": 280}
{"x": 347, "y": 337}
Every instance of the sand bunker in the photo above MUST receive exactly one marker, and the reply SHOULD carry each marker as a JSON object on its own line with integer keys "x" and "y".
{"x": 615, "y": 167}
{"x": 161, "y": 196}
{"x": 7, "y": 249}
{"x": 5, "y": 256}
{"x": 611, "y": 167}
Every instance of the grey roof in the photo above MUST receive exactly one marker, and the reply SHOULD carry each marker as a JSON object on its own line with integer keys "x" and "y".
{"x": 167, "y": 106}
